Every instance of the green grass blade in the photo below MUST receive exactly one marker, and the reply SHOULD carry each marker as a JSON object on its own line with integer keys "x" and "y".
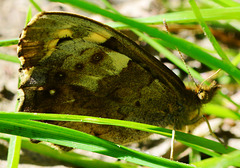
{"x": 212, "y": 14}
{"x": 9, "y": 58}
{"x": 221, "y": 111}
{"x": 226, "y": 3}
{"x": 229, "y": 99}
{"x": 205, "y": 28}
{"x": 236, "y": 60}
{"x": 29, "y": 16}
{"x": 14, "y": 151}
{"x": 225, "y": 161}
{"x": 71, "y": 157}
{"x": 9, "y": 42}
{"x": 194, "y": 156}
{"x": 198, "y": 143}
{"x": 35, "y": 5}
{"x": 67, "y": 157}
{"x": 76, "y": 139}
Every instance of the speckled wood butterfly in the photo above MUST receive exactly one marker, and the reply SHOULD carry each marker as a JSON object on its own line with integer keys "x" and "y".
{"x": 71, "y": 64}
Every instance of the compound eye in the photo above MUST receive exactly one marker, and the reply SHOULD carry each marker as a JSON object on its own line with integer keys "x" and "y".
{"x": 201, "y": 94}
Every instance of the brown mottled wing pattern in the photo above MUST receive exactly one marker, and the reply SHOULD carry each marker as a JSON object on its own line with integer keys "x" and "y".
{"x": 74, "y": 65}
{"x": 57, "y": 26}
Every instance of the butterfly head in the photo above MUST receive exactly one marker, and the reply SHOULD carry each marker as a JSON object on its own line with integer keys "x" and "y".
{"x": 205, "y": 95}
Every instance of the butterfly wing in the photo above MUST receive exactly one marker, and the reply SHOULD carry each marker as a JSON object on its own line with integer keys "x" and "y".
{"x": 55, "y": 27}
{"x": 74, "y": 65}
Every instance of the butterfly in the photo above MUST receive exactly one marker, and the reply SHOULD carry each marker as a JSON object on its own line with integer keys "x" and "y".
{"x": 71, "y": 64}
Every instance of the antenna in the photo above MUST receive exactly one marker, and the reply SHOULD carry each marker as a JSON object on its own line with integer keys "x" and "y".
{"x": 208, "y": 78}
{"x": 181, "y": 56}
{"x": 198, "y": 87}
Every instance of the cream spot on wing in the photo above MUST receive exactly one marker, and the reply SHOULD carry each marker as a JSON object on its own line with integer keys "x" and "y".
{"x": 40, "y": 88}
{"x": 20, "y": 97}
{"x": 25, "y": 75}
{"x": 52, "y": 92}
{"x": 64, "y": 33}
{"x": 97, "y": 38}
{"x": 51, "y": 46}
{"x": 22, "y": 60}
{"x": 119, "y": 61}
